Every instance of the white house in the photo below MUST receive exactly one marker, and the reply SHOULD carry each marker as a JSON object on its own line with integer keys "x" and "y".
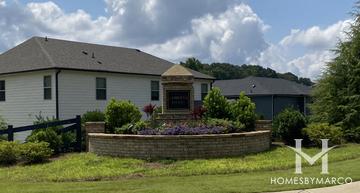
{"x": 62, "y": 79}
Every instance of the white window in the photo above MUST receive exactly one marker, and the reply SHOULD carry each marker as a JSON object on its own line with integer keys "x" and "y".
{"x": 47, "y": 88}
{"x": 100, "y": 88}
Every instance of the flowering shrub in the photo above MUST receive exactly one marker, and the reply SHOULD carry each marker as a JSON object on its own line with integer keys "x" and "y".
{"x": 181, "y": 130}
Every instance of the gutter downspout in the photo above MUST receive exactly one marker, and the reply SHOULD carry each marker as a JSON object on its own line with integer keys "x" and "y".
{"x": 57, "y": 92}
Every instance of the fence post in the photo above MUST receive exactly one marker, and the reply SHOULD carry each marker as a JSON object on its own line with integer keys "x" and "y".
{"x": 78, "y": 133}
{"x": 10, "y": 133}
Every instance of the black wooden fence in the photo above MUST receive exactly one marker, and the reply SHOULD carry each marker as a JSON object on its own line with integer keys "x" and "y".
{"x": 75, "y": 124}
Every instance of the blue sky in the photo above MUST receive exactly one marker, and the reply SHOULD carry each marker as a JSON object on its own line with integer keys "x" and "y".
{"x": 285, "y": 35}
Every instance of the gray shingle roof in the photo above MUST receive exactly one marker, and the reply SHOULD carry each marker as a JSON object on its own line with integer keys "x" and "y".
{"x": 38, "y": 54}
{"x": 261, "y": 86}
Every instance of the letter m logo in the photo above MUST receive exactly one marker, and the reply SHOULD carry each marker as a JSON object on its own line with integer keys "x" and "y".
{"x": 311, "y": 160}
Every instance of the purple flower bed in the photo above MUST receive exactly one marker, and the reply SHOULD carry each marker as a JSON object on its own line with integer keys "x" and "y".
{"x": 180, "y": 130}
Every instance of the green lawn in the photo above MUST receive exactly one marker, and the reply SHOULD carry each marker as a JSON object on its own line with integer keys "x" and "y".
{"x": 244, "y": 174}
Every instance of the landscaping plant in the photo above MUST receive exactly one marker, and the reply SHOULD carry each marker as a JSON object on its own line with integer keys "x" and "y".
{"x": 9, "y": 152}
{"x": 217, "y": 106}
{"x": 317, "y": 131}
{"x": 57, "y": 140}
{"x": 121, "y": 112}
{"x": 243, "y": 110}
{"x": 288, "y": 125}
{"x": 149, "y": 110}
{"x": 35, "y": 152}
{"x": 198, "y": 112}
{"x": 93, "y": 116}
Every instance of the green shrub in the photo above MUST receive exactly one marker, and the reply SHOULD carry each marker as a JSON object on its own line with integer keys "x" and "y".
{"x": 243, "y": 110}
{"x": 216, "y": 105}
{"x": 288, "y": 125}
{"x": 9, "y": 152}
{"x": 317, "y": 131}
{"x": 35, "y": 152}
{"x": 58, "y": 141}
{"x": 231, "y": 126}
{"x": 93, "y": 116}
{"x": 121, "y": 112}
{"x": 125, "y": 129}
{"x": 131, "y": 128}
{"x": 47, "y": 135}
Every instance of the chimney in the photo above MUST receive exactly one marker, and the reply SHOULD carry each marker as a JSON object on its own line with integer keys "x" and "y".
{"x": 93, "y": 55}
{"x": 46, "y": 39}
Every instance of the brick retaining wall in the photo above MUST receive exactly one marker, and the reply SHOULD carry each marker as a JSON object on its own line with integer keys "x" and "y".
{"x": 179, "y": 146}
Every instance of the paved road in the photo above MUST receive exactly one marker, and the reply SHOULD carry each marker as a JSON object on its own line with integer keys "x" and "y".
{"x": 347, "y": 188}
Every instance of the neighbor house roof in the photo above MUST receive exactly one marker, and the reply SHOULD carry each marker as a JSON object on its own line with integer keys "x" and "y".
{"x": 46, "y": 53}
{"x": 261, "y": 86}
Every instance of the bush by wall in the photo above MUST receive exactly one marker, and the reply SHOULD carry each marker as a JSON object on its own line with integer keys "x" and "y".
{"x": 35, "y": 152}
{"x": 93, "y": 116}
{"x": 316, "y": 131}
{"x": 243, "y": 110}
{"x": 121, "y": 112}
{"x": 216, "y": 105}
{"x": 288, "y": 125}
{"x": 231, "y": 126}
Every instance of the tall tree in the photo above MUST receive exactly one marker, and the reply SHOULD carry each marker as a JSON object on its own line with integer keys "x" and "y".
{"x": 337, "y": 94}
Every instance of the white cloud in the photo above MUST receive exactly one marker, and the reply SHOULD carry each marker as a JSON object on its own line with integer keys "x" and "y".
{"x": 2, "y": 3}
{"x": 235, "y": 35}
{"x": 304, "y": 52}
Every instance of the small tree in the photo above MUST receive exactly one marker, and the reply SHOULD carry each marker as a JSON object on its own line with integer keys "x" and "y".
{"x": 243, "y": 110}
{"x": 216, "y": 105}
{"x": 121, "y": 112}
{"x": 288, "y": 125}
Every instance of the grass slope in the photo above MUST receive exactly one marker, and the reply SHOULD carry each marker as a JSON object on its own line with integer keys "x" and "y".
{"x": 89, "y": 167}
{"x": 228, "y": 183}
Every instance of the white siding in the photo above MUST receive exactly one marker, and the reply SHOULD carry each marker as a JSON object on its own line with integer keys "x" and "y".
{"x": 197, "y": 88}
{"x": 77, "y": 93}
{"x": 25, "y": 99}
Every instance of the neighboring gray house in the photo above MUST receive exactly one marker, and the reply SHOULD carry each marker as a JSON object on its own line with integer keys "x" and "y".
{"x": 271, "y": 95}
{"x": 62, "y": 79}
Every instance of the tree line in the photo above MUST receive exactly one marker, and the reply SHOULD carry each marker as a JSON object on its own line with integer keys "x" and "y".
{"x": 225, "y": 71}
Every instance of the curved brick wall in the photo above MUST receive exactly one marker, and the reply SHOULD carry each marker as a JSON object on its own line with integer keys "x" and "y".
{"x": 179, "y": 146}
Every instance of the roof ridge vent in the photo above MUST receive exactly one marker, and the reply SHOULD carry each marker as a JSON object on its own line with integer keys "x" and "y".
{"x": 138, "y": 50}
{"x": 84, "y": 52}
